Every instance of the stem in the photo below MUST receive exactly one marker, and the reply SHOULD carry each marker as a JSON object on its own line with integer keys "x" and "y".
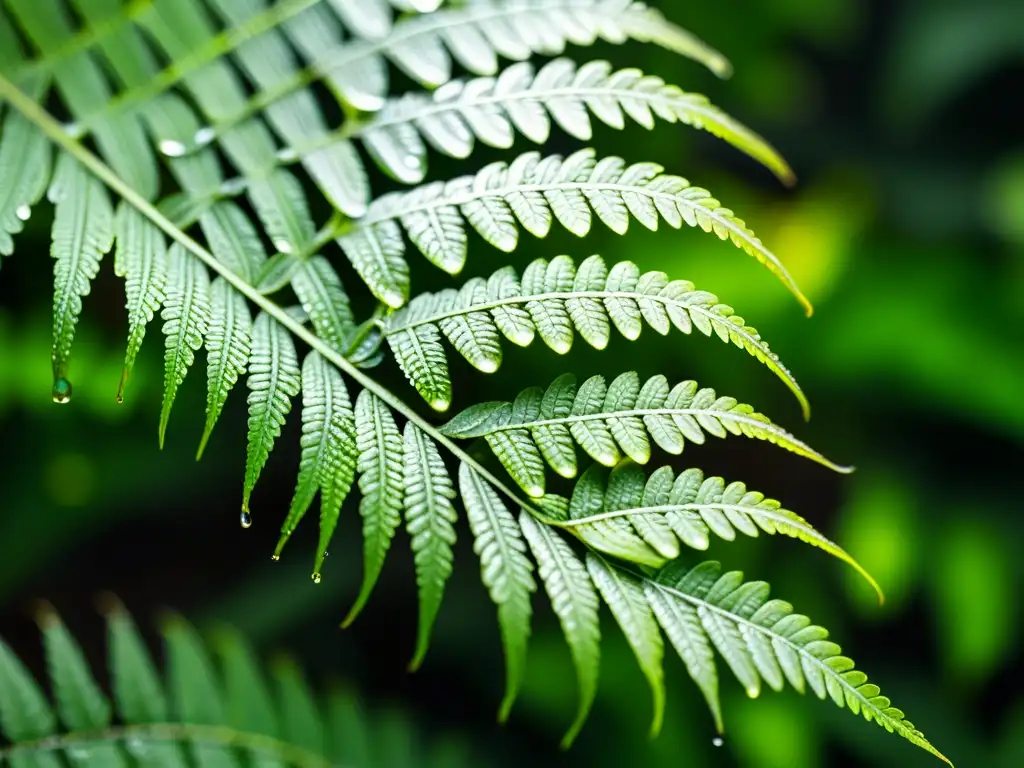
{"x": 53, "y": 130}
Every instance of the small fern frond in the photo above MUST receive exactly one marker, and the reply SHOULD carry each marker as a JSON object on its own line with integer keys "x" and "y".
{"x": 25, "y": 158}
{"x": 524, "y": 100}
{"x": 765, "y": 640}
{"x": 186, "y": 315}
{"x": 554, "y": 299}
{"x": 608, "y": 421}
{"x": 665, "y": 510}
{"x": 274, "y": 379}
{"x": 535, "y": 192}
{"x": 507, "y": 573}
{"x": 220, "y": 707}
{"x": 83, "y": 232}
{"x": 430, "y": 520}
{"x": 141, "y": 259}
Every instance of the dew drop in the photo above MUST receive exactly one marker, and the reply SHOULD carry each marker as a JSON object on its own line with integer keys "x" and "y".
{"x": 172, "y": 148}
{"x": 413, "y": 162}
{"x": 61, "y": 391}
{"x": 316, "y": 578}
{"x": 74, "y": 130}
{"x": 233, "y": 187}
{"x": 246, "y": 520}
{"x": 287, "y": 155}
{"x": 275, "y": 558}
{"x": 23, "y": 212}
{"x": 283, "y": 245}
{"x": 204, "y": 136}
{"x": 717, "y": 741}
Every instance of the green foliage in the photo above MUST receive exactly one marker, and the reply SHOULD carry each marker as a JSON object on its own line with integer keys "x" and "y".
{"x": 220, "y": 705}
{"x": 630, "y": 527}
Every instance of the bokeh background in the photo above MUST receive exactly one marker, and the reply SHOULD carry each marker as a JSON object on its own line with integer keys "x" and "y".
{"x": 902, "y": 119}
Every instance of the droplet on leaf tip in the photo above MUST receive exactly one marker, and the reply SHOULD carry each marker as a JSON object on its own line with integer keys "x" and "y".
{"x": 172, "y": 147}
{"x": 275, "y": 558}
{"x": 246, "y": 519}
{"x": 61, "y": 391}
{"x": 317, "y": 578}
{"x": 23, "y": 212}
{"x": 717, "y": 741}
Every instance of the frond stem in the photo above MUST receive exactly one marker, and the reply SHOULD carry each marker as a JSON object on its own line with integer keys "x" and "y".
{"x": 35, "y": 114}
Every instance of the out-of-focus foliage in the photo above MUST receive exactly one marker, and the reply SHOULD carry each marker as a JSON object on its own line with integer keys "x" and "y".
{"x": 905, "y": 230}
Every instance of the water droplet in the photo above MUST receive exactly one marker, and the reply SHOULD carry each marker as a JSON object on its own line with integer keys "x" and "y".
{"x": 717, "y": 741}
{"x": 317, "y": 578}
{"x": 172, "y": 148}
{"x": 204, "y": 136}
{"x": 136, "y": 746}
{"x": 61, "y": 391}
{"x": 411, "y": 161}
{"x": 233, "y": 187}
{"x": 283, "y": 245}
{"x": 287, "y": 155}
{"x": 74, "y": 130}
{"x": 326, "y": 553}
{"x": 246, "y": 520}
{"x": 23, "y": 212}
{"x": 275, "y": 558}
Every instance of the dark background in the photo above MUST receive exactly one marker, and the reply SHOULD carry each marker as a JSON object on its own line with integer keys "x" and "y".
{"x": 903, "y": 123}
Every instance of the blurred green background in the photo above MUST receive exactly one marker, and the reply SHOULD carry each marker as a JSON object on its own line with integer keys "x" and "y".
{"x": 902, "y": 121}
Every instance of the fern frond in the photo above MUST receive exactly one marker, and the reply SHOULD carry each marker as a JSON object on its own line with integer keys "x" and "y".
{"x": 608, "y": 421}
{"x": 555, "y": 299}
{"x": 83, "y": 232}
{"x": 624, "y": 595}
{"x": 141, "y": 259}
{"x": 329, "y": 452}
{"x": 762, "y": 639}
{"x": 429, "y": 518}
{"x": 321, "y": 294}
{"x": 233, "y": 239}
{"x": 507, "y": 572}
{"x": 274, "y": 379}
{"x": 575, "y": 603}
{"x": 25, "y": 159}
{"x": 665, "y": 510}
{"x": 535, "y": 192}
{"x": 380, "y": 449}
{"x": 186, "y": 315}
{"x": 492, "y": 109}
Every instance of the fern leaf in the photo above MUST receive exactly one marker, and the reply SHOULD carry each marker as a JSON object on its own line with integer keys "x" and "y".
{"x": 319, "y": 289}
{"x": 764, "y": 639}
{"x": 25, "y": 714}
{"x": 302, "y": 724}
{"x": 228, "y": 346}
{"x": 137, "y": 689}
{"x": 141, "y": 259}
{"x": 568, "y": 190}
{"x": 248, "y": 703}
{"x": 492, "y": 109}
{"x": 25, "y": 158}
{"x": 186, "y": 315}
{"x": 575, "y": 603}
{"x": 274, "y": 379}
{"x": 507, "y": 573}
{"x": 367, "y": 18}
{"x": 555, "y": 300}
{"x": 429, "y": 519}
{"x": 421, "y": 357}
{"x": 625, "y": 597}
{"x": 233, "y": 240}
{"x": 623, "y": 417}
{"x": 690, "y": 507}
{"x": 83, "y": 231}
{"x": 329, "y": 452}
{"x": 376, "y": 254}
{"x": 379, "y": 445}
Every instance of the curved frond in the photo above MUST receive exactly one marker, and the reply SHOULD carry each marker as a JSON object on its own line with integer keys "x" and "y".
{"x": 554, "y": 299}
{"x": 520, "y": 99}
{"x": 274, "y": 379}
{"x": 765, "y": 640}
{"x": 665, "y": 510}
{"x": 430, "y": 520}
{"x": 621, "y": 418}
{"x": 535, "y": 192}
{"x": 507, "y": 572}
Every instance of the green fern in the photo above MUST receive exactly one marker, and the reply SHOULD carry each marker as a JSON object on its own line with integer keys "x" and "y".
{"x": 238, "y": 87}
{"x": 219, "y": 707}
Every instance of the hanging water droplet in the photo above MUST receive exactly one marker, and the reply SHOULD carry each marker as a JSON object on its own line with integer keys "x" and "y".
{"x": 61, "y": 391}
{"x": 275, "y": 558}
{"x": 204, "y": 136}
{"x": 232, "y": 187}
{"x": 316, "y": 578}
{"x": 246, "y": 520}
{"x": 717, "y": 741}
{"x": 287, "y": 155}
{"x": 283, "y": 245}
{"x": 172, "y": 147}
{"x": 23, "y": 212}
